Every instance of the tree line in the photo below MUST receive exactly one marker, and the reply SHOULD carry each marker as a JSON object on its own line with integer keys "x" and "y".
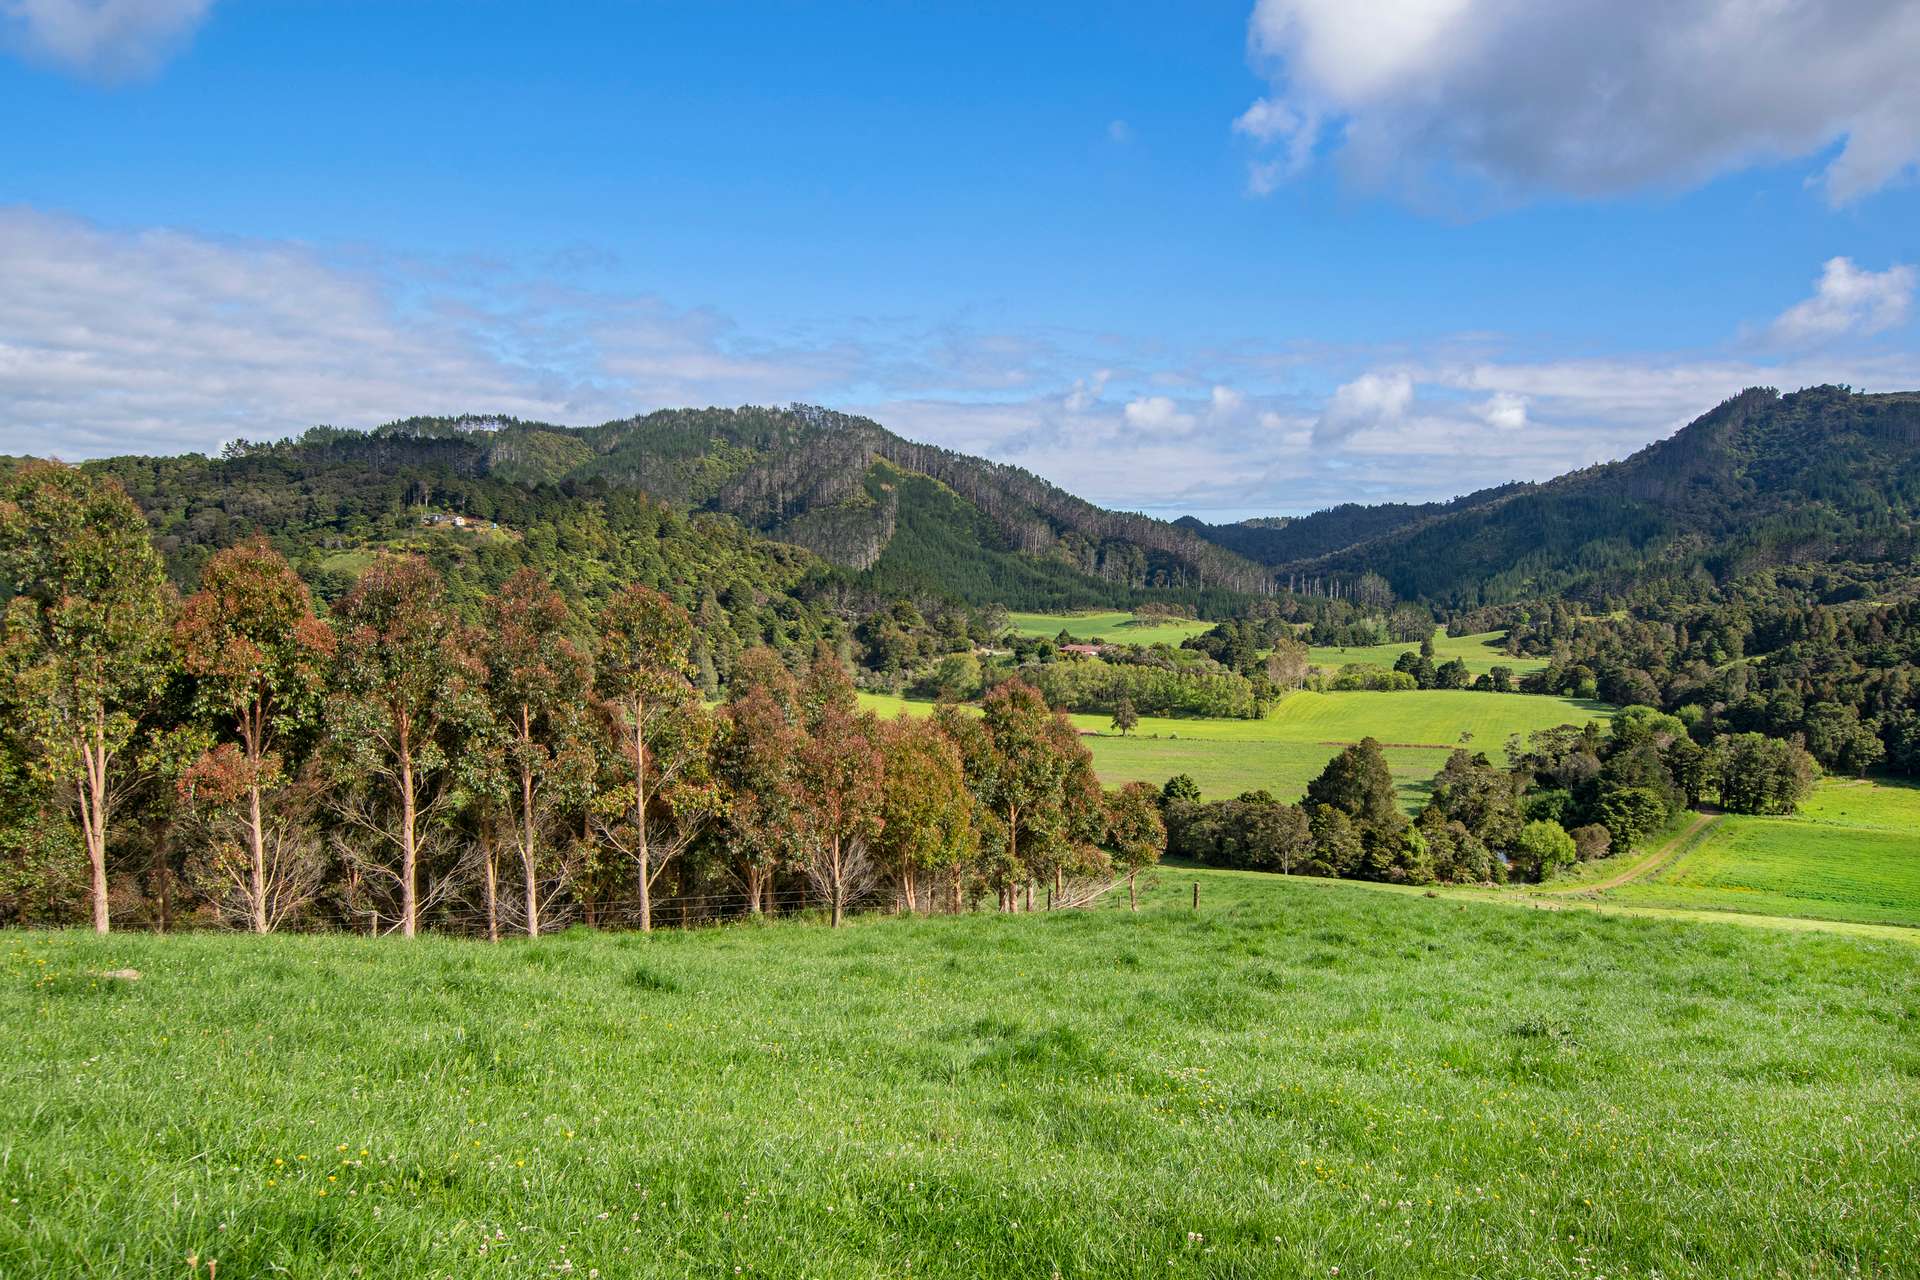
{"x": 1567, "y": 794}
{"x": 398, "y": 759}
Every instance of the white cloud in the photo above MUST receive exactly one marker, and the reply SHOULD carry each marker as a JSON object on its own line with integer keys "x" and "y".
{"x": 1588, "y": 97}
{"x": 160, "y": 341}
{"x": 1158, "y": 414}
{"x": 1119, "y": 131}
{"x": 109, "y": 39}
{"x": 1086, "y": 391}
{"x": 1368, "y": 401}
{"x": 1224, "y": 404}
{"x": 1847, "y": 300}
{"x": 1506, "y": 411}
{"x": 1293, "y": 134}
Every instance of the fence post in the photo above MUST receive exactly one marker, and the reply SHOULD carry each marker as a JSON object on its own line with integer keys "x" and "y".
{"x": 1196, "y": 895}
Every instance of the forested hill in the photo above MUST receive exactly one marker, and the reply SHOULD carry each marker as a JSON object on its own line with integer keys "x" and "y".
{"x": 894, "y": 517}
{"x": 1288, "y": 540}
{"x": 1822, "y": 477}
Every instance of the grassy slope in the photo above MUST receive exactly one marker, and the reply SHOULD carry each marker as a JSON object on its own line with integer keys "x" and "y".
{"x": 1284, "y": 751}
{"x": 1481, "y": 652}
{"x": 1305, "y": 1076}
{"x": 1851, "y": 854}
{"x": 1114, "y": 628}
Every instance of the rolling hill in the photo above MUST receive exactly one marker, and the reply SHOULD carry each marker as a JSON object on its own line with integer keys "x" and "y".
{"x": 1820, "y": 476}
{"x": 899, "y": 517}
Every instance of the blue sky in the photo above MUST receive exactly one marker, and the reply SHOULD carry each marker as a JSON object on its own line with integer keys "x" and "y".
{"x": 1226, "y": 258}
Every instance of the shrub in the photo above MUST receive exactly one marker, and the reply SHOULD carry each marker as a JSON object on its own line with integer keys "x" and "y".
{"x": 1543, "y": 849}
{"x": 1591, "y": 841}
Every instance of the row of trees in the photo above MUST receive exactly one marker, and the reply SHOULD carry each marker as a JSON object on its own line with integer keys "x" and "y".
{"x": 382, "y": 764}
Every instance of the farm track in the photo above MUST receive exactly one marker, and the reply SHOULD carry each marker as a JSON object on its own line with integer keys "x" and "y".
{"x": 1658, "y": 860}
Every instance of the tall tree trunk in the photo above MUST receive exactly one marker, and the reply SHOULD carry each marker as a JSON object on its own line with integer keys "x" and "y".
{"x": 529, "y": 867}
{"x": 409, "y": 850}
{"x": 640, "y": 814}
{"x": 906, "y": 885}
{"x": 93, "y": 823}
{"x": 493, "y": 889}
{"x": 258, "y": 838}
{"x": 836, "y": 874}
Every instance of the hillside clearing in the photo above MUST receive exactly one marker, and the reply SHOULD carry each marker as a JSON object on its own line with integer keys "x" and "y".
{"x": 1113, "y": 627}
{"x": 1303, "y": 1076}
{"x": 1481, "y": 652}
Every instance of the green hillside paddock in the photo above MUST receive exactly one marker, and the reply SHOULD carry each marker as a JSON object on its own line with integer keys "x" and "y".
{"x": 1852, "y": 853}
{"x": 1114, "y": 628}
{"x": 1481, "y": 652}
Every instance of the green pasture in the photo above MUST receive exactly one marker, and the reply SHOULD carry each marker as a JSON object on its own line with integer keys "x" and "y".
{"x": 1302, "y": 1078}
{"x": 1853, "y": 853}
{"x": 1284, "y": 751}
{"x": 1481, "y": 653}
{"x": 1113, "y": 627}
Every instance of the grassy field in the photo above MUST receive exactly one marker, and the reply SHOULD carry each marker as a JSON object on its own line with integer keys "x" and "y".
{"x": 1114, "y": 628}
{"x": 1288, "y": 748}
{"x": 1303, "y": 1079}
{"x": 1851, "y": 854}
{"x": 1481, "y": 653}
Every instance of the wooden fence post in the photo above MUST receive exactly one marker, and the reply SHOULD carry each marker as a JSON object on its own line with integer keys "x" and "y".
{"x": 1196, "y": 895}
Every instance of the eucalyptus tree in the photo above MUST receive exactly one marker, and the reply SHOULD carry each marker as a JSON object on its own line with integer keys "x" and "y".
{"x": 754, "y": 762}
{"x": 837, "y": 787}
{"x": 258, "y": 659}
{"x": 406, "y": 680}
{"x": 84, "y": 644}
{"x": 643, "y": 671}
{"x": 539, "y": 682}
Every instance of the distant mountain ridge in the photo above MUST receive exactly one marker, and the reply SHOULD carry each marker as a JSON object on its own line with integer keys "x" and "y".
{"x": 907, "y": 517}
{"x": 1822, "y": 475}
{"x": 1289, "y": 540}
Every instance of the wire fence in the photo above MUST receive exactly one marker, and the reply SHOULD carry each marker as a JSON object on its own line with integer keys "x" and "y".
{"x": 466, "y": 918}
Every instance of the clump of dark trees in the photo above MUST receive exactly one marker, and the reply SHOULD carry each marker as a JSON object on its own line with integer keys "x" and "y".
{"x": 1798, "y": 655}
{"x": 421, "y": 754}
{"x": 1573, "y": 793}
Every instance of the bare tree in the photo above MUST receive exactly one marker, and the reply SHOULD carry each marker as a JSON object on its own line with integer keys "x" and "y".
{"x": 841, "y": 874}
{"x": 265, "y": 873}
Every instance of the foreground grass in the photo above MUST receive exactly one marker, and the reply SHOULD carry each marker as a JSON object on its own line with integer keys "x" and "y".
{"x": 1287, "y": 749}
{"x": 1850, "y": 854}
{"x": 1301, "y": 1077}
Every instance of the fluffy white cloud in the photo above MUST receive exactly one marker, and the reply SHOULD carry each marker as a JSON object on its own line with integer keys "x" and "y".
{"x": 112, "y": 39}
{"x": 1225, "y": 404}
{"x": 1588, "y": 96}
{"x": 1847, "y": 300}
{"x": 1158, "y": 414}
{"x": 1505, "y": 411}
{"x": 1370, "y": 400}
